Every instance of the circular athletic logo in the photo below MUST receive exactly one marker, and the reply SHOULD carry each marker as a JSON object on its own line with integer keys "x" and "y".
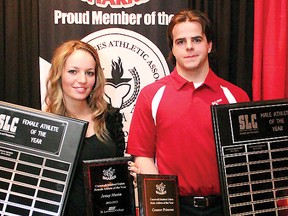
{"x": 130, "y": 61}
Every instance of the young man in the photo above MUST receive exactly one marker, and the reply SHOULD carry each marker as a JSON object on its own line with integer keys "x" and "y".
{"x": 171, "y": 130}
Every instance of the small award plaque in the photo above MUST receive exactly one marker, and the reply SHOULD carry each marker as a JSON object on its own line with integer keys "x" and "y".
{"x": 109, "y": 187}
{"x": 158, "y": 195}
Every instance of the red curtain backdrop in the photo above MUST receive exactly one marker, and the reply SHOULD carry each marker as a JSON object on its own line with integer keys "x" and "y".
{"x": 270, "y": 64}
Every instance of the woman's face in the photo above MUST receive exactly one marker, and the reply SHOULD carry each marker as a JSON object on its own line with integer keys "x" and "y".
{"x": 78, "y": 76}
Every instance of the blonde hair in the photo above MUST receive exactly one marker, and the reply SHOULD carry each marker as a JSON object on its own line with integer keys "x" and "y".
{"x": 54, "y": 96}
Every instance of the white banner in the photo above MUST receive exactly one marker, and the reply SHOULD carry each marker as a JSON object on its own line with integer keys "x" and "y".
{"x": 130, "y": 37}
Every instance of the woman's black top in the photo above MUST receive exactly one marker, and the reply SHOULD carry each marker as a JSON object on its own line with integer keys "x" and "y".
{"x": 95, "y": 149}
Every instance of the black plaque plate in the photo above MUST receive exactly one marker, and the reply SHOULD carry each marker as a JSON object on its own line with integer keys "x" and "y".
{"x": 252, "y": 150}
{"x": 109, "y": 187}
{"x": 158, "y": 195}
{"x": 38, "y": 151}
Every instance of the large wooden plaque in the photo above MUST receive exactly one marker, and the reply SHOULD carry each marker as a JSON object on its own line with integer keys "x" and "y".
{"x": 252, "y": 150}
{"x": 38, "y": 151}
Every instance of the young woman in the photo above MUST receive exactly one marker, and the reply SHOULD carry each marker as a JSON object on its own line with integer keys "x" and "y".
{"x": 75, "y": 88}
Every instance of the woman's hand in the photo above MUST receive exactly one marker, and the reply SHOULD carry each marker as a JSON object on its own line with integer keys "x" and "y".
{"x": 134, "y": 170}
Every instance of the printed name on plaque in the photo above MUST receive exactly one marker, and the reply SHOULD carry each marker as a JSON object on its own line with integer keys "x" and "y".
{"x": 252, "y": 150}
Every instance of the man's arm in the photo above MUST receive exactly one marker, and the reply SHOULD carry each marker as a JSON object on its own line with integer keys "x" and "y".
{"x": 146, "y": 165}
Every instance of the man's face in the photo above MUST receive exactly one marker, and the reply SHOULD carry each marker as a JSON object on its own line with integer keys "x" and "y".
{"x": 190, "y": 47}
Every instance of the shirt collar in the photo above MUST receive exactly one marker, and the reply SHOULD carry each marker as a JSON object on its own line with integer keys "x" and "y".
{"x": 211, "y": 80}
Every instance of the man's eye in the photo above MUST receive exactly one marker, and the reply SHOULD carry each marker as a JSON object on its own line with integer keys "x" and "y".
{"x": 179, "y": 42}
{"x": 197, "y": 40}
